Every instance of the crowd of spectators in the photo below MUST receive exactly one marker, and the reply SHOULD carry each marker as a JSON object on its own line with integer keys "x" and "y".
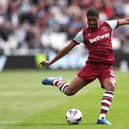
{"x": 50, "y": 24}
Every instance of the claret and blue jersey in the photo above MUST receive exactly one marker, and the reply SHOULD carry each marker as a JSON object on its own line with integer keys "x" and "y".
{"x": 98, "y": 42}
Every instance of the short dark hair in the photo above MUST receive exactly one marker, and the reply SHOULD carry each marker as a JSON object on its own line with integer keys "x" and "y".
{"x": 92, "y": 12}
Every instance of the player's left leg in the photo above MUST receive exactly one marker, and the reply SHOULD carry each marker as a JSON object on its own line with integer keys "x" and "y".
{"x": 67, "y": 88}
{"x": 108, "y": 82}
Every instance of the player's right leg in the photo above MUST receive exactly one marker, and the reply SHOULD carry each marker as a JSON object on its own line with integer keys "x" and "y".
{"x": 108, "y": 81}
{"x": 68, "y": 89}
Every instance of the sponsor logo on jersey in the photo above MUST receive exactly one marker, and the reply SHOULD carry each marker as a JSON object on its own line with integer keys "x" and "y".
{"x": 99, "y": 37}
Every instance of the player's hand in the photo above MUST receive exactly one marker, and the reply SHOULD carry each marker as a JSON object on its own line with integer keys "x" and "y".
{"x": 45, "y": 63}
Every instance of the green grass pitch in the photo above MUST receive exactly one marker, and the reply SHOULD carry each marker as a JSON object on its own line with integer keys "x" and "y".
{"x": 26, "y": 104}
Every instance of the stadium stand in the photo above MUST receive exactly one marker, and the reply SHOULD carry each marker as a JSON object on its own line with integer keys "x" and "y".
{"x": 28, "y": 27}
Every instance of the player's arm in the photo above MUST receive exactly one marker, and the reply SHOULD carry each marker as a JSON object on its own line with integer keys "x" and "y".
{"x": 76, "y": 40}
{"x": 124, "y": 21}
{"x": 116, "y": 23}
{"x": 60, "y": 54}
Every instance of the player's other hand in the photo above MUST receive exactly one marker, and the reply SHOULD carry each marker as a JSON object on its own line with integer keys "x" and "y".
{"x": 45, "y": 63}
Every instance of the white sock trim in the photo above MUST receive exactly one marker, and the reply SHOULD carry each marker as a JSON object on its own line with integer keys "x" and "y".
{"x": 102, "y": 116}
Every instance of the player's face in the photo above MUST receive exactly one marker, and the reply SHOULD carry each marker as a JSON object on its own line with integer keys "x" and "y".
{"x": 92, "y": 22}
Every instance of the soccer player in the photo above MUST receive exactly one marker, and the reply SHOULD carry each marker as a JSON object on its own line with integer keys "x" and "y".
{"x": 97, "y": 39}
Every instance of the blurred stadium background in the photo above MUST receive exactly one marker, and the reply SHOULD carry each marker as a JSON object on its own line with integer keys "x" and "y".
{"x": 33, "y": 30}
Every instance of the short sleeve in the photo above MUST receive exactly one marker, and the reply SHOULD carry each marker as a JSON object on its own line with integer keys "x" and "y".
{"x": 112, "y": 23}
{"x": 79, "y": 37}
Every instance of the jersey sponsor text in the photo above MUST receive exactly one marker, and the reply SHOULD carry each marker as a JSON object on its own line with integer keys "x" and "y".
{"x": 99, "y": 37}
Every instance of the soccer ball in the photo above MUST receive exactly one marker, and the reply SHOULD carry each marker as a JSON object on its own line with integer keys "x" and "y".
{"x": 73, "y": 116}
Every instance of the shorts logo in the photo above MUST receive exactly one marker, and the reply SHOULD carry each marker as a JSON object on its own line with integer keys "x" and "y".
{"x": 112, "y": 73}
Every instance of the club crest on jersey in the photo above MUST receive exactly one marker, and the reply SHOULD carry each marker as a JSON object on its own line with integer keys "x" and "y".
{"x": 99, "y": 37}
{"x": 89, "y": 34}
{"x": 104, "y": 28}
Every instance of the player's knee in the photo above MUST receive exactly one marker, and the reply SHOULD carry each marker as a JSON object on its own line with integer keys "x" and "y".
{"x": 69, "y": 92}
{"x": 110, "y": 86}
